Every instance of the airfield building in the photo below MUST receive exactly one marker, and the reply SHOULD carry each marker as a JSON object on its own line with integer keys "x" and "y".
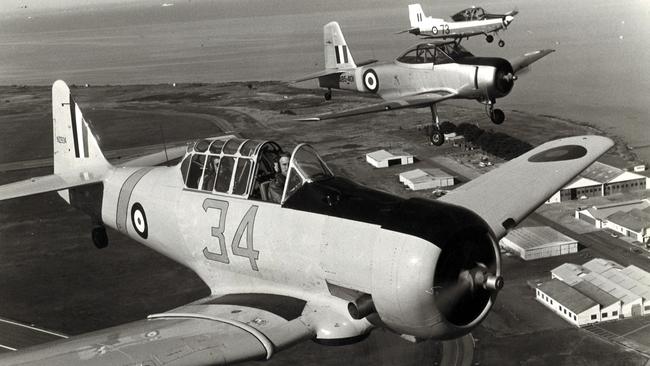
{"x": 599, "y": 290}
{"x": 538, "y": 242}
{"x": 630, "y": 218}
{"x": 600, "y": 180}
{"x": 383, "y": 158}
{"x": 419, "y": 179}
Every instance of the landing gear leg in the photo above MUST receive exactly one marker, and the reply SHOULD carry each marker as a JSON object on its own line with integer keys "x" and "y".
{"x": 100, "y": 239}
{"x": 489, "y": 38}
{"x": 328, "y": 94}
{"x": 437, "y": 137}
{"x": 496, "y": 115}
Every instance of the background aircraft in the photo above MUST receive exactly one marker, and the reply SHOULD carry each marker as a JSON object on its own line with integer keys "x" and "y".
{"x": 423, "y": 76}
{"x": 330, "y": 262}
{"x": 466, "y": 23}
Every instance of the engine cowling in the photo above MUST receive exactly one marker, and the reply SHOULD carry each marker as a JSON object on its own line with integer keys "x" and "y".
{"x": 495, "y": 76}
{"x": 442, "y": 281}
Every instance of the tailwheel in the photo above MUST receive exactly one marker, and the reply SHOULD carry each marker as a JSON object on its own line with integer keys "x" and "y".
{"x": 328, "y": 94}
{"x": 100, "y": 238}
{"x": 489, "y": 38}
{"x": 501, "y": 43}
{"x": 437, "y": 137}
{"x": 497, "y": 116}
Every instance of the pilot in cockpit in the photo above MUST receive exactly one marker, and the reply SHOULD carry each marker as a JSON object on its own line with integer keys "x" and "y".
{"x": 276, "y": 187}
{"x": 210, "y": 174}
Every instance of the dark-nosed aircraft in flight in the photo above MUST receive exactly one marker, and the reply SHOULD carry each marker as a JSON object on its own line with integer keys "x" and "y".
{"x": 423, "y": 76}
{"x": 330, "y": 261}
{"x": 466, "y": 23}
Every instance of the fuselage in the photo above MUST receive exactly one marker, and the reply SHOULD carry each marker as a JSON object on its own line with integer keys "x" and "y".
{"x": 439, "y": 28}
{"x": 327, "y": 234}
{"x": 444, "y": 67}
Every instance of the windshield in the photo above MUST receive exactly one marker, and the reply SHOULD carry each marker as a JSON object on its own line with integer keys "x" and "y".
{"x": 424, "y": 53}
{"x": 469, "y": 14}
{"x": 454, "y": 50}
{"x": 305, "y": 166}
{"x": 310, "y": 165}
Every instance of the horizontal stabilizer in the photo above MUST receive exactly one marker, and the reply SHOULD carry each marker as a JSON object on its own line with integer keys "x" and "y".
{"x": 158, "y": 158}
{"x": 506, "y": 195}
{"x": 47, "y": 183}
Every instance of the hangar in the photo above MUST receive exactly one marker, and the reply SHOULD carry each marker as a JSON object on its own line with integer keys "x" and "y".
{"x": 418, "y": 179}
{"x": 619, "y": 292}
{"x": 630, "y": 218}
{"x": 538, "y": 242}
{"x": 383, "y": 158}
{"x": 600, "y": 180}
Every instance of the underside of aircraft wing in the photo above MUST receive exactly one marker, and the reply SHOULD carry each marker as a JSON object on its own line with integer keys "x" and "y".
{"x": 202, "y": 334}
{"x": 527, "y": 59}
{"x": 505, "y": 196}
{"x": 413, "y": 101}
{"x": 318, "y": 74}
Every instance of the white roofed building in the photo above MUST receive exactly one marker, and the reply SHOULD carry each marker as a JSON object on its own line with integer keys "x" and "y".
{"x": 630, "y": 218}
{"x": 569, "y": 303}
{"x": 538, "y": 242}
{"x": 419, "y": 179}
{"x": 383, "y": 158}
{"x": 621, "y": 292}
{"x": 600, "y": 180}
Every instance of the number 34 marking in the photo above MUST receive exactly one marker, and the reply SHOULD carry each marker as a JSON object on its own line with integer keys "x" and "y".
{"x": 246, "y": 224}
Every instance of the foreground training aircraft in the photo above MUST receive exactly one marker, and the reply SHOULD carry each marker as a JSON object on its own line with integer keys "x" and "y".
{"x": 330, "y": 262}
{"x": 423, "y": 76}
{"x": 466, "y": 23}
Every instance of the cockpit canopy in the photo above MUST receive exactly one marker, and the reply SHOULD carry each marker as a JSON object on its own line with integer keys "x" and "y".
{"x": 244, "y": 168}
{"x": 434, "y": 53}
{"x": 473, "y": 13}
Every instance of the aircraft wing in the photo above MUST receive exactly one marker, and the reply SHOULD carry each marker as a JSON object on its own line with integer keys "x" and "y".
{"x": 413, "y": 101}
{"x": 527, "y": 59}
{"x": 202, "y": 334}
{"x": 503, "y": 197}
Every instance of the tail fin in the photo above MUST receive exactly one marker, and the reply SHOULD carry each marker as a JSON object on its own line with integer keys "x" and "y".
{"x": 78, "y": 161}
{"x": 416, "y": 15}
{"x": 337, "y": 54}
{"x": 76, "y": 150}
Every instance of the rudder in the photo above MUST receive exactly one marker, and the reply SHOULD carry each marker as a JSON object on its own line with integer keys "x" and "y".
{"x": 76, "y": 150}
{"x": 337, "y": 53}
{"x": 416, "y": 15}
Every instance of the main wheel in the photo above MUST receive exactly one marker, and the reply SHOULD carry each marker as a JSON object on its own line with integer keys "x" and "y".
{"x": 437, "y": 137}
{"x": 100, "y": 239}
{"x": 497, "y": 116}
{"x": 501, "y": 43}
{"x": 489, "y": 38}
{"x": 328, "y": 95}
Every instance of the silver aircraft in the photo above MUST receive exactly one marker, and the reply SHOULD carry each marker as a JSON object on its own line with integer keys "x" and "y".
{"x": 330, "y": 262}
{"x": 422, "y": 76}
{"x": 466, "y": 23}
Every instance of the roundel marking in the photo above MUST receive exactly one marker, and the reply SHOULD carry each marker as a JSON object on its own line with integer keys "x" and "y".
{"x": 139, "y": 220}
{"x": 370, "y": 80}
{"x": 559, "y": 153}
